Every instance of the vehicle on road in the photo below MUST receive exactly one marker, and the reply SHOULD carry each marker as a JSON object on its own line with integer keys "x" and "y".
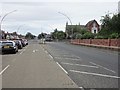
{"x": 8, "y": 47}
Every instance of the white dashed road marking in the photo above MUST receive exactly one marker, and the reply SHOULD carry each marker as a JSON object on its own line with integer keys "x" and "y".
{"x": 4, "y": 69}
{"x": 103, "y": 67}
{"x": 95, "y": 74}
{"x": 80, "y": 65}
{"x": 68, "y": 58}
{"x": 51, "y": 56}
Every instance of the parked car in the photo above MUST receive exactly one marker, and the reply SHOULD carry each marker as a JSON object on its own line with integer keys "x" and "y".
{"x": 19, "y": 44}
{"x": 8, "y": 46}
{"x": 25, "y": 41}
{"x": 22, "y": 41}
{"x": 0, "y": 47}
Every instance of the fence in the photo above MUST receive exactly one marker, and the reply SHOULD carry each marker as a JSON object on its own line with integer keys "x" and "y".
{"x": 104, "y": 42}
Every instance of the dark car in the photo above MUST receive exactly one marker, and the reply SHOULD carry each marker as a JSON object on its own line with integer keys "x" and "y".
{"x": 8, "y": 47}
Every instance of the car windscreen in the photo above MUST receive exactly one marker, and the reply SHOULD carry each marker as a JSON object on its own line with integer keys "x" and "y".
{"x": 7, "y": 43}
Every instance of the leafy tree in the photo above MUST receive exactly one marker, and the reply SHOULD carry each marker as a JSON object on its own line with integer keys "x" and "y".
{"x": 110, "y": 26}
{"x": 58, "y": 34}
{"x": 42, "y": 35}
{"x": 29, "y": 36}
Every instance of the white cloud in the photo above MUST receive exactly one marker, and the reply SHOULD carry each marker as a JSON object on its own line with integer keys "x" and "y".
{"x": 59, "y": 0}
{"x": 41, "y": 14}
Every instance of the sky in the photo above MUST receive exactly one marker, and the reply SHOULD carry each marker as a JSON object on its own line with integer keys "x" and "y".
{"x": 37, "y": 16}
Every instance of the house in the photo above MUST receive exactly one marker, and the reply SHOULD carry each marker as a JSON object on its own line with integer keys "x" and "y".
{"x": 2, "y": 34}
{"x": 13, "y": 35}
{"x": 93, "y": 26}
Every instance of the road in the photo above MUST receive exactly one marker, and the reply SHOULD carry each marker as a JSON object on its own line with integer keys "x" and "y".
{"x": 32, "y": 67}
{"x": 60, "y": 65}
{"x": 88, "y": 67}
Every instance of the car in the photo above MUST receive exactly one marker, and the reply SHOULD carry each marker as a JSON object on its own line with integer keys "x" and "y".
{"x": 18, "y": 43}
{"x": 0, "y": 47}
{"x": 26, "y": 41}
{"x": 8, "y": 46}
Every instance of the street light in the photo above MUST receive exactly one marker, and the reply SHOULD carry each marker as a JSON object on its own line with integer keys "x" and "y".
{"x": 20, "y": 27}
{"x": 69, "y": 20}
{"x": 4, "y": 18}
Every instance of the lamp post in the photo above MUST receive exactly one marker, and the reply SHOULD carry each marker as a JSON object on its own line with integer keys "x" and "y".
{"x": 20, "y": 27}
{"x": 4, "y": 18}
{"x": 69, "y": 20}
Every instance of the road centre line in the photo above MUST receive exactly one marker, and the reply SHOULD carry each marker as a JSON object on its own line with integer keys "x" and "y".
{"x": 79, "y": 65}
{"x": 103, "y": 67}
{"x": 95, "y": 74}
{"x": 62, "y": 68}
{"x": 4, "y": 69}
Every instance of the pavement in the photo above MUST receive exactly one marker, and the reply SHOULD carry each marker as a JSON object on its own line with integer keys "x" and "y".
{"x": 33, "y": 67}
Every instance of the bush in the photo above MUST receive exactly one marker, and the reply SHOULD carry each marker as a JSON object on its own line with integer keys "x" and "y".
{"x": 88, "y": 35}
{"x": 114, "y": 35}
{"x": 78, "y": 36}
{"x": 99, "y": 37}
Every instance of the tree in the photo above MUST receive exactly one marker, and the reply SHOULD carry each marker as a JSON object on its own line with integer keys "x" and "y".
{"x": 110, "y": 26}
{"x": 42, "y": 35}
{"x": 29, "y": 36}
{"x": 58, "y": 34}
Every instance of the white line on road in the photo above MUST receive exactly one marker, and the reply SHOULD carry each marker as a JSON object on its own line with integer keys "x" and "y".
{"x": 103, "y": 67}
{"x": 51, "y": 56}
{"x": 95, "y": 74}
{"x": 33, "y": 51}
{"x": 81, "y": 88}
{"x": 21, "y": 52}
{"x": 62, "y": 68}
{"x": 46, "y": 52}
{"x": 79, "y": 65}
{"x": 4, "y": 69}
{"x": 68, "y": 58}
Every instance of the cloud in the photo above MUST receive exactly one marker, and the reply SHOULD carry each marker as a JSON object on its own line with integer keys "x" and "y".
{"x": 41, "y": 14}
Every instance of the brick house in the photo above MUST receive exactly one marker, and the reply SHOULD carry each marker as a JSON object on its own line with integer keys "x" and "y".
{"x": 93, "y": 26}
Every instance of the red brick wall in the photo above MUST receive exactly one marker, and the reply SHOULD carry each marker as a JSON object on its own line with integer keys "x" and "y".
{"x": 105, "y": 42}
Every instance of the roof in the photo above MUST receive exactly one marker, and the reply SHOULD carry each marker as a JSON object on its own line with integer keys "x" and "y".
{"x": 91, "y": 22}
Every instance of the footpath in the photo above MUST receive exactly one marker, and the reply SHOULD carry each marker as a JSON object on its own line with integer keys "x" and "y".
{"x": 101, "y": 46}
{"x": 35, "y": 68}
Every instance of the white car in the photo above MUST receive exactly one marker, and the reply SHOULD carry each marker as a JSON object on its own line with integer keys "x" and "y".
{"x": 8, "y": 46}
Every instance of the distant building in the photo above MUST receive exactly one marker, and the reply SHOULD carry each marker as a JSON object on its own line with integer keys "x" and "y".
{"x": 93, "y": 26}
{"x": 70, "y": 28}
